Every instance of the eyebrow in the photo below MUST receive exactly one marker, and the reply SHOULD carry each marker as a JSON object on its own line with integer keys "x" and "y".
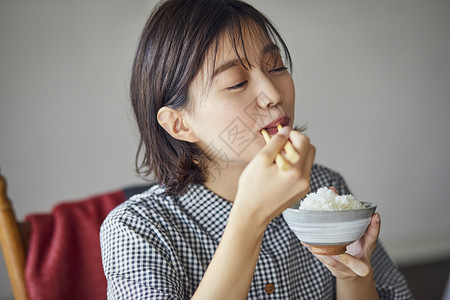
{"x": 235, "y": 62}
{"x": 224, "y": 67}
{"x": 270, "y": 48}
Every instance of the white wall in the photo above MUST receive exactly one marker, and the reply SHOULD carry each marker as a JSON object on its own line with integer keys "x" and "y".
{"x": 372, "y": 79}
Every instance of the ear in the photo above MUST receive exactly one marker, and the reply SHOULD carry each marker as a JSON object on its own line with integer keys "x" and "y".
{"x": 175, "y": 123}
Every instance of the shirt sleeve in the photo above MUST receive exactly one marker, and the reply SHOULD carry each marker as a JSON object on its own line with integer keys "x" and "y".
{"x": 389, "y": 281}
{"x": 136, "y": 261}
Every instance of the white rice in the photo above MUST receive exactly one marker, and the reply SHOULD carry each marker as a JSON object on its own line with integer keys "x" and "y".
{"x": 326, "y": 199}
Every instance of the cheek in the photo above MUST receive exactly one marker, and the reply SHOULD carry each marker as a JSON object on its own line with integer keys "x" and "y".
{"x": 213, "y": 118}
{"x": 288, "y": 89}
{"x": 231, "y": 130}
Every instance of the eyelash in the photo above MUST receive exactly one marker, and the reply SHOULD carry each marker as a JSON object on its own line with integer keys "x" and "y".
{"x": 243, "y": 83}
{"x": 239, "y": 85}
{"x": 283, "y": 68}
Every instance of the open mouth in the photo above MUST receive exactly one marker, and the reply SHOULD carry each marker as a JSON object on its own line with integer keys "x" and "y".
{"x": 272, "y": 129}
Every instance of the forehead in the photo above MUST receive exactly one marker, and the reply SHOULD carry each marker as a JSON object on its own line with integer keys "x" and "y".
{"x": 247, "y": 43}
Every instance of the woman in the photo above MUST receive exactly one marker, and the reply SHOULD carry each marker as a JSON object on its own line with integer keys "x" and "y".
{"x": 208, "y": 76}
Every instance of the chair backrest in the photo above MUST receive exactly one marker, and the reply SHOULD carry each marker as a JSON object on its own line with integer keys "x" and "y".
{"x": 57, "y": 255}
{"x": 13, "y": 243}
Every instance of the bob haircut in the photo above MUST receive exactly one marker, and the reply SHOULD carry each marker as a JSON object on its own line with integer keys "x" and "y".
{"x": 172, "y": 50}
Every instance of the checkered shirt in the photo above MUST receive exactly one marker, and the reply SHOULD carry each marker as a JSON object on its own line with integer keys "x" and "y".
{"x": 158, "y": 247}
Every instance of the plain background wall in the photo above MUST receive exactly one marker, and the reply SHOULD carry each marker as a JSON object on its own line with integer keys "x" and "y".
{"x": 372, "y": 81}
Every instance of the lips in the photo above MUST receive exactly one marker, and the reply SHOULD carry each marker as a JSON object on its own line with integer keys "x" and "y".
{"x": 272, "y": 126}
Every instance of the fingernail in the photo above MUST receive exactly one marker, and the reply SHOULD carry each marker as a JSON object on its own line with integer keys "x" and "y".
{"x": 377, "y": 218}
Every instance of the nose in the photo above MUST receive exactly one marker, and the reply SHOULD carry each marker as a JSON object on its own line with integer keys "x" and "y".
{"x": 269, "y": 95}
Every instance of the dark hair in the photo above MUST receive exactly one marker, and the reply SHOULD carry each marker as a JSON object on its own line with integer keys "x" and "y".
{"x": 171, "y": 52}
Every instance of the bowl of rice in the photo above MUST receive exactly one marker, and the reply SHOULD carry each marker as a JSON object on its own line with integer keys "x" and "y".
{"x": 329, "y": 222}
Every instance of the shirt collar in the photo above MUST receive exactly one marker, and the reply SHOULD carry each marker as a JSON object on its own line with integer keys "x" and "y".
{"x": 208, "y": 210}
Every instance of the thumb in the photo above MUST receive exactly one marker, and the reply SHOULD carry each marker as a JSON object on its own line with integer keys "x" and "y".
{"x": 372, "y": 233}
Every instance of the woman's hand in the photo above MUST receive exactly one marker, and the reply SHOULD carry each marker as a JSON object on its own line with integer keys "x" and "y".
{"x": 353, "y": 271}
{"x": 265, "y": 190}
{"x": 356, "y": 261}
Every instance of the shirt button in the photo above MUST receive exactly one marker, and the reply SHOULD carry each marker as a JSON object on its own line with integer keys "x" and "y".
{"x": 269, "y": 288}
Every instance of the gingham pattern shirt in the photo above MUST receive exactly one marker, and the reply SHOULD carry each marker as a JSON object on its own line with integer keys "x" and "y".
{"x": 158, "y": 247}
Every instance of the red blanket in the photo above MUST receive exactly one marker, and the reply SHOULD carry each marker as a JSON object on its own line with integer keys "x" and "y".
{"x": 64, "y": 259}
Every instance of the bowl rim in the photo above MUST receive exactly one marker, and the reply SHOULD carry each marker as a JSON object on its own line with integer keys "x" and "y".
{"x": 371, "y": 205}
{"x": 304, "y": 215}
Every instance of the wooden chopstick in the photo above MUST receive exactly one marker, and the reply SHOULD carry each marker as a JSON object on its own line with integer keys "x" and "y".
{"x": 292, "y": 156}
{"x": 279, "y": 159}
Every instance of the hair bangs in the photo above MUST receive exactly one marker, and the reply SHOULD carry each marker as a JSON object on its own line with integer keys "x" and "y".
{"x": 245, "y": 30}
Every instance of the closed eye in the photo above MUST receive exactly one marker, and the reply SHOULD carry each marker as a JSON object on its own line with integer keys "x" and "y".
{"x": 281, "y": 69}
{"x": 237, "y": 86}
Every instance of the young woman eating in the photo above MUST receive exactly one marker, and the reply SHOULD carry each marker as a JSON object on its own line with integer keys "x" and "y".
{"x": 208, "y": 76}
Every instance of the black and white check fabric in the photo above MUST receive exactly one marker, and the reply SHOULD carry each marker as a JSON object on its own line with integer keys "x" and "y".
{"x": 158, "y": 247}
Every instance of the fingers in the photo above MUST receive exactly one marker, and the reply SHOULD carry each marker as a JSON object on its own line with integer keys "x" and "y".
{"x": 310, "y": 158}
{"x": 298, "y": 147}
{"x": 334, "y": 189}
{"x": 358, "y": 266}
{"x": 290, "y": 153}
{"x": 303, "y": 147}
{"x": 343, "y": 265}
{"x": 300, "y": 142}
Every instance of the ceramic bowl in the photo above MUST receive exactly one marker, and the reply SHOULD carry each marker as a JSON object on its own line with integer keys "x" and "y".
{"x": 329, "y": 232}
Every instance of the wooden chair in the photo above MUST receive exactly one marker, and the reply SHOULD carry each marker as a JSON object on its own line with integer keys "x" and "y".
{"x": 14, "y": 236}
{"x": 18, "y": 240}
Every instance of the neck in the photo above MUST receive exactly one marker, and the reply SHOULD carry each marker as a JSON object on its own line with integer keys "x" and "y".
{"x": 224, "y": 182}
